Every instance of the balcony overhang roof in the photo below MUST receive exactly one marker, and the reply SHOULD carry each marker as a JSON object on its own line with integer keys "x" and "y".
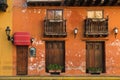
{"x": 78, "y": 3}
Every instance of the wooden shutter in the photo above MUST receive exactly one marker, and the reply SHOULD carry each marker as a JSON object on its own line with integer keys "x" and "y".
{"x": 55, "y": 53}
{"x": 90, "y": 55}
{"x": 95, "y": 55}
{"x": 98, "y": 54}
{"x": 22, "y": 60}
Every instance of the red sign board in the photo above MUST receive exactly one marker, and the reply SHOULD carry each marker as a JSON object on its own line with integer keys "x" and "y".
{"x": 22, "y": 38}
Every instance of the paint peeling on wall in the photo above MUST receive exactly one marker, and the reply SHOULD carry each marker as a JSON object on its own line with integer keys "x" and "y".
{"x": 37, "y": 63}
{"x": 115, "y": 43}
{"x": 24, "y": 10}
{"x": 35, "y": 11}
{"x": 38, "y": 42}
{"x": 76, "y": 61}
{"x": 70, "y": 66}
{"x": 113, "y": 56}
{"x": 39, "y": 11}
{"x": 69, "y": 12}
{"x": 38, "y": 66}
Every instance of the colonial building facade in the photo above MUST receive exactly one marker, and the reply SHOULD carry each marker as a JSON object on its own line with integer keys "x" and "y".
{"x": 79, "y": 37}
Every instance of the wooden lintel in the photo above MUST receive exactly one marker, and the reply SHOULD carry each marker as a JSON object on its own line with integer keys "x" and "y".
{"x": 95, "y": 39}
{"x": 54, "y": 39}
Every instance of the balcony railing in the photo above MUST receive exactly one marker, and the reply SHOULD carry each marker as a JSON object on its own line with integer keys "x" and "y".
{"x": 96, "y": 27}
{"x": 55, "y": 28}
{"x": 3, "y": 5}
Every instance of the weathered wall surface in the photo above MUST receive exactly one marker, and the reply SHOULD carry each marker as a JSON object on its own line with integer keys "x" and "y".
{"x": 30, "y": 19}
{"x": 5, "y": 46}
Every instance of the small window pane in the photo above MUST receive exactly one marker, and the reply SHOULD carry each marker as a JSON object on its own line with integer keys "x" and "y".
{"x": 58, "y": 14}
{"x": 95, "y": 14}
{"x": 32, "y": 52}
{"x": 50, "y": 14}
{"x": 98, "y": 14}
{"x": 90, "y": 14}
{"x": 54, "y": 14}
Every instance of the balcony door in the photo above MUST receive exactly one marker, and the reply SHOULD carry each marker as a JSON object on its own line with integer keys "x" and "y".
{"x": 95, "y": 56}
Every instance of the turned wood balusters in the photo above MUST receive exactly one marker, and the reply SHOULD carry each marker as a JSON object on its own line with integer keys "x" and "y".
{"x": 96, "y": 27}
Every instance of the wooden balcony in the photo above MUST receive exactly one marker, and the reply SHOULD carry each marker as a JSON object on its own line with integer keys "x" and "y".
{"x": 73, "y": 2}
{"x": 3, "y": 5}
{"x": 55, "y": 28}
{"x": 96, "y": 28}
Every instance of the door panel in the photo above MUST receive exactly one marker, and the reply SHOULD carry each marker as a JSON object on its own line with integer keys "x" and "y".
{"x": 55, "y": 53}
{"x": 98, "y": 55}
{"x": 95, "y": 54}
{"x": 90, "y": 57}
{"x": 22, "y": 60}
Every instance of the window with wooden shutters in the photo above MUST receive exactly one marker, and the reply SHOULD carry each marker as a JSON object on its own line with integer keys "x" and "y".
{"x": 96, "y": 25}
{"x": 55, "y": 53}
{"x": 54, "y": 24}
{"x": 95, "y": 57}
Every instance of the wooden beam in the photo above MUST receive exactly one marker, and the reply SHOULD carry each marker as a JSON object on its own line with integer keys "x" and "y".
{"x": 93, "y": 2}
{"x": 102, "y": 1}
{"x": 105, "y": 2}
{"x": 72, "y": 2}
{"x": 62, "y": 2}
{"x": 65, "y": 1}
{"x": 118, "y": 2}
{"x": 77, "y": 3}
{"x": 84, "y": 2}
{"x": 98, "y": 2}
{"x": 110, "y": 2}
{"x": 81, "y": 2}
{"x": 113, "y": 2}
{"x": 89, "y": 2}
{"x": 68, "y": 2}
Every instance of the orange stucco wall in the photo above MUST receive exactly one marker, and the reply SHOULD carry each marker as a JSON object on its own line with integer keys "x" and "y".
{"x": 30, "y": 19}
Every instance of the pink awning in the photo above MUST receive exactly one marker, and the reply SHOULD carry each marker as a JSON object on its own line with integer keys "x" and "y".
{"x": 22, "y": 38}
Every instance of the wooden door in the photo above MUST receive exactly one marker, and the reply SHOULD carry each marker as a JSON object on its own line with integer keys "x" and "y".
{"x": 95, "y": 55}
{"x": 55, "y": 53}
{"x": 22, "y": 60}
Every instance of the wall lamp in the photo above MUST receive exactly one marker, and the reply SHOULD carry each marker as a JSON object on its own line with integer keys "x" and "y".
{"x": 75, "y": 32}
{"x": 32, "y": 40}
{"x": 115, "y": 31}
{"x": 8, "y": 30}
